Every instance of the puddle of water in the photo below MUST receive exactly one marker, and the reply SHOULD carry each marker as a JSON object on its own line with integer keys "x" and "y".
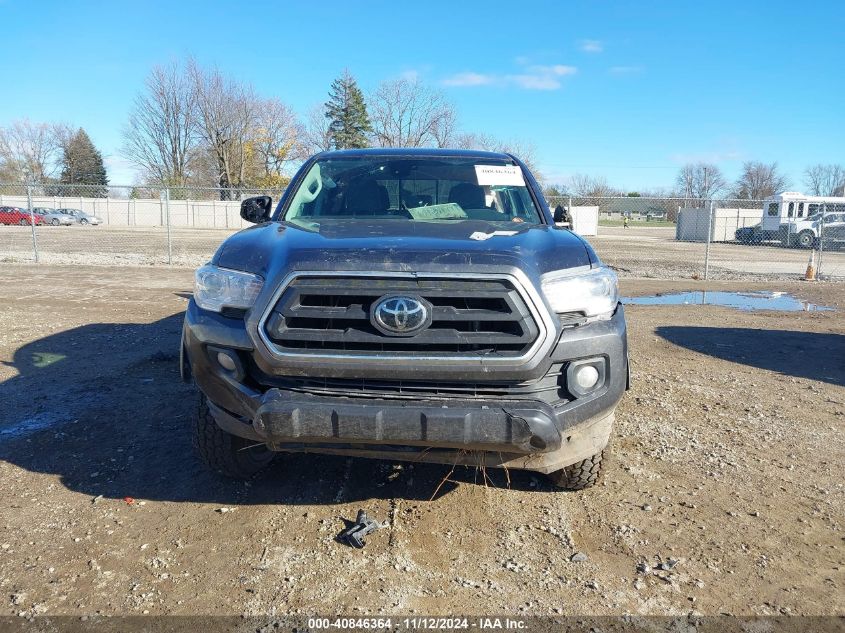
{"x": 764, "y": 300}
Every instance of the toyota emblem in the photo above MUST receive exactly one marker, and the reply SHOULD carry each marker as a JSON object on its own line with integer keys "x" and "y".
{"x": 399, "y": 315}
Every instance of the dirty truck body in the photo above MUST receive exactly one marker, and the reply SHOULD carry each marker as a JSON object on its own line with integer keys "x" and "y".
{"x": 409, "y": 305}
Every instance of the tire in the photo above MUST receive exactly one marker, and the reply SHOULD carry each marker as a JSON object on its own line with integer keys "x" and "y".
{"x": 224, "y": 453}
{"x": 23, "y": 222}
{"x": 806, "y": 239}
{"x": 54, "y": 222}
{"x": 83, "y": 221}
{"x": 580, "y": 475}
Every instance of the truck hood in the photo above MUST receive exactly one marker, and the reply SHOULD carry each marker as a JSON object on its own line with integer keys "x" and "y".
{"x": 397, "y": 245}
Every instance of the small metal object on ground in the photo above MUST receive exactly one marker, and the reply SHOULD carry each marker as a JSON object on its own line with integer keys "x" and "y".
{"x": 354, "y": 534}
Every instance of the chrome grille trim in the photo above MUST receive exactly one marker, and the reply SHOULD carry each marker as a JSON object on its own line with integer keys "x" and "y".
{"x": 528, "y": 293}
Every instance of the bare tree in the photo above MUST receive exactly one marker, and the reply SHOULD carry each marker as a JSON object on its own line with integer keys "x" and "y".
{"x": 9, "y": 171}
{"x": 318, "y": 133}
{"x": 521, "y": 149}
{"x": 825, "y": 180}
{"x": 276, "y": 141}
{"x": 29, "y": 152}
{"x": 161, "y": 134}
{"x": 555, "y": 190}
{"x": 445, "y": 128}
{"x": 700, "y": 180}
{"x": 585, "y": 186}
{"x": 758, "y": 181}
{"x": 227, "y": 112}
{"x": 471, "y": 140}
{"x": 407, "y": 113}
{"x": 526, "y": 152}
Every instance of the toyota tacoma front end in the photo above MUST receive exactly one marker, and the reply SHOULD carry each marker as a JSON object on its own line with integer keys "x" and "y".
{"x": 407, "y": 305}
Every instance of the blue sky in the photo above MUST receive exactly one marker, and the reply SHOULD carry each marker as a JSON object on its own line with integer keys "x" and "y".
{"x": 627, "y": 90}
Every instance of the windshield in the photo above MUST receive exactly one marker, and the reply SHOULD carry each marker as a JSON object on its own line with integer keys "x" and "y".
{"x": 413, "y": 189}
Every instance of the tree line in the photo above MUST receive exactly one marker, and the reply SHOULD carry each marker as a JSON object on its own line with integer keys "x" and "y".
{"x": 193, "y": 126}
{"x": 52, "y": 154}
{"x": 704, "y": 181}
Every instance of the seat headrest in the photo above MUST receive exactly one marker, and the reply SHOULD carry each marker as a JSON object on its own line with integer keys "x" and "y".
{"x": 468, "y": 195}
{"x": 367, "y": 197}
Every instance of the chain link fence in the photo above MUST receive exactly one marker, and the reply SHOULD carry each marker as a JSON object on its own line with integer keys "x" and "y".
{"x": 668, "y": 238}
{"x": 143, "y": 226}
{"x": 677, "y": 238}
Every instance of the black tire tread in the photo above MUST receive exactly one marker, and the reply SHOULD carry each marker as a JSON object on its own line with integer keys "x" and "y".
{"x": 580, "y": 475}
{"x": 223, "y": 452}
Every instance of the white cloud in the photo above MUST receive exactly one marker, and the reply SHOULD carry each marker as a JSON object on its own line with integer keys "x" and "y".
{"x": 532, "y": 78}
{"x": 542, "y": 77}
{"x": 591, "y": 46}
{"x": 469, "y": 79}
{"x": 559, "y": 70}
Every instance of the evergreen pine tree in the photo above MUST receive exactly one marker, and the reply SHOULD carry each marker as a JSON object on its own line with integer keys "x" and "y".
{"x": 82, "y": 164}
{"x": 347, "y": 114}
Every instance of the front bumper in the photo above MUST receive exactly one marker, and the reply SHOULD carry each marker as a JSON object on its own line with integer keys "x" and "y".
{"x": 523, "y": 427}
{"x": 523, "y": 432}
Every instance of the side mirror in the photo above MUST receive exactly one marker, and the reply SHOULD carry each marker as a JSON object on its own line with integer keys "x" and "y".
{"x": 256, "y": 209}
{"x": 560, "y": 214}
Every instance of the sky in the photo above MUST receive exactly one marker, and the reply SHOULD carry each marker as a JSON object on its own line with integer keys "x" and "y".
{"x": 625, "y": 90}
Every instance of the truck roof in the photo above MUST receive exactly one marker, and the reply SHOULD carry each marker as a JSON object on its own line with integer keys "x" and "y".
{"x": 414, "y": 151}
{"x": 797, "y": 195}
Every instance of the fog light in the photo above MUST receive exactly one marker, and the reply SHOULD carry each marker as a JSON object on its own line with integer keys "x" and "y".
{"x": 586, "y": 377}
{"x": 226, "y": 361}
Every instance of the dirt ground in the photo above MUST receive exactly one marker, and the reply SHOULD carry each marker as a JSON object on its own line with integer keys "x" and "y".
{"x": 727, "y": 467}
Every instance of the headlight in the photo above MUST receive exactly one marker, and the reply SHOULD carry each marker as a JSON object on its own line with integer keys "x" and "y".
{"x": 216, "y": 288}
{"x": 594, "y": 293}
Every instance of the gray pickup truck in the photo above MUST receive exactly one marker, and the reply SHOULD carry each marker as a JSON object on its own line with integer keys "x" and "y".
{"x": 416, "y": 305}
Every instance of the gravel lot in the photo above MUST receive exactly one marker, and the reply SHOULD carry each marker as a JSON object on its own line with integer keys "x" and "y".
{"x": 636, "y": 252}
{"x": 724, "y": 495}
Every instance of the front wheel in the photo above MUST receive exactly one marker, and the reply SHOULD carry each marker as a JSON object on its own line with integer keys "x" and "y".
{"x": 83, "y": 221}
{"x": 580, "y": 475}
{"x": 54, "y": 222}
{"x": 806, "y": 239}
{"x": 23, "y": 222}
{"x": 224, "y": 453}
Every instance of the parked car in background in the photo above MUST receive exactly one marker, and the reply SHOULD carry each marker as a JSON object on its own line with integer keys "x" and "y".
{"x": 16, "y": 215}
{"x": 80, "y": 216}
{"x": 833, "y": 229}
{"x": 51, "y": 216}
{"x": 748, "y": 234}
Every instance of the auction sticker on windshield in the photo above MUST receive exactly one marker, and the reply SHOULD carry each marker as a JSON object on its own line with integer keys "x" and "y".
{"x": 502, "y": 175}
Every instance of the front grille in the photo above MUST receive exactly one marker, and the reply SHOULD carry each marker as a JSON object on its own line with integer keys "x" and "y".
{"x": 331, "y": 315}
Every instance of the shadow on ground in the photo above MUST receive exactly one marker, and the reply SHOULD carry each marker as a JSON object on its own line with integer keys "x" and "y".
{"x": 814, "y": 355}
{"x": 102, "y": 407}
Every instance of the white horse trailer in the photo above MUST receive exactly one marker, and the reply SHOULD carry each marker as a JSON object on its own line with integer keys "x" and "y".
{"x": 792, "y": 218}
